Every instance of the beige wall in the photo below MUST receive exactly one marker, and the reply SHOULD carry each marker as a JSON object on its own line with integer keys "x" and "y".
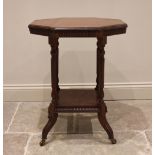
{"x": 27, "y": 56}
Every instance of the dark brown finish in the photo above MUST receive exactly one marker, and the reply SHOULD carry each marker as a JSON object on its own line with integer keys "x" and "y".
{"x": 79, "y": 23}
{"x": 77, "y": 98}
{"x": 52, "y": 116}
{"x": 81, "y": 100}
{"x": 77, "y": 27}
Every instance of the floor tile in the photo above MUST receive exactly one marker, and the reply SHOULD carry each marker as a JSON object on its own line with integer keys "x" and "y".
{"x": 128, "y": 143}
{"x": 14, "y": 144}
{"x": 74, "y": 123}
{"x": 127, "y": 115}
{"x": 8, "y": 111}
{"x": 30, "y": 117}
{"x": 145, "y": 106}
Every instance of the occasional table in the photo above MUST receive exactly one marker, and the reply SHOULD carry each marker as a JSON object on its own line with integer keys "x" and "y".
{"x": 77, "y": 100}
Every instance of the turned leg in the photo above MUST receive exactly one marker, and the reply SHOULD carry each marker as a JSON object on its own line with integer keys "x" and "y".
{"x": 57, "y": 68}
{"x": 97, "y": 70}
{"x": 52, "y": 113}
{"x": 101, "y": 41}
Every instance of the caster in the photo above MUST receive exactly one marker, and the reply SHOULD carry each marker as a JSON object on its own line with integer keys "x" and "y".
{"x": 42, "y": 143}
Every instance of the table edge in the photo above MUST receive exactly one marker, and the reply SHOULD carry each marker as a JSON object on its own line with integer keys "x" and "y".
{"x": 46, "y": 31}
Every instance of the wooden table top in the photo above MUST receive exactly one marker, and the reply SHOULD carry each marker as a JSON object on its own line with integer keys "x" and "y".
{"x": 81, "y": 23}
{"x": 77, "y": 24}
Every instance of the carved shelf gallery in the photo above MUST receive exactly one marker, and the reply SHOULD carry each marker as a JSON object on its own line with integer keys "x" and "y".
{"x": 77, "y": 100}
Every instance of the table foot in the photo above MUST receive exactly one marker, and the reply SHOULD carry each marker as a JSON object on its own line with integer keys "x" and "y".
{"x": 113, "y": 141}
{"x": 42, "y": 143}
{"x": 104, "y": 123}
{"x": 52, "y": 119}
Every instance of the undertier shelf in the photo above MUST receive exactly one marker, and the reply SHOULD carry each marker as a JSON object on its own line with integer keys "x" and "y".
{"x": 77, "y": 100}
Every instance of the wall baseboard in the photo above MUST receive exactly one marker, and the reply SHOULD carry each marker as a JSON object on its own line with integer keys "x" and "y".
{"x": 113, "y": 91}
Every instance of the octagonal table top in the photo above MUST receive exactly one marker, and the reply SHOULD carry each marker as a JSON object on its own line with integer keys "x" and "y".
{"x": 89, "y": 23}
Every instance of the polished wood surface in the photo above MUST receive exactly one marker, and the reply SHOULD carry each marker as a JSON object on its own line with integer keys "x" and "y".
{"x": 92, "y": 25}
{"x": 79, "y": 23}
{"x": 77, "y": 100}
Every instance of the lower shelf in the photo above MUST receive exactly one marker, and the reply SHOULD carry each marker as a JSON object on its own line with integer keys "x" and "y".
{"x": 77, "y": 100}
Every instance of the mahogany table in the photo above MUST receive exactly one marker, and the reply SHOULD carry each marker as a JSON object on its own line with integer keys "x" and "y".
{"x": 77, "y": 100}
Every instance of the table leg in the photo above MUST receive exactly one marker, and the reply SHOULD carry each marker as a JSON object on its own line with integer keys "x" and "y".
{"x": 57, "y": 67}
{"x": 97, "y": 69}
{"x": 52, "y": 114}
{"x": 51, "y": 121}
{"x": 101, "y": 41}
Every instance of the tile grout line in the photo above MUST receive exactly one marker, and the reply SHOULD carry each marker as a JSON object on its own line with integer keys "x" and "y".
{"x": 13, "y": 117}
{"x": 144, "y": 133}
{"x": 27, "y": 144}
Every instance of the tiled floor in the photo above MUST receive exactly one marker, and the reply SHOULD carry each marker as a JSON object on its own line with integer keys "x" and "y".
{"x": 78, "y": 133}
